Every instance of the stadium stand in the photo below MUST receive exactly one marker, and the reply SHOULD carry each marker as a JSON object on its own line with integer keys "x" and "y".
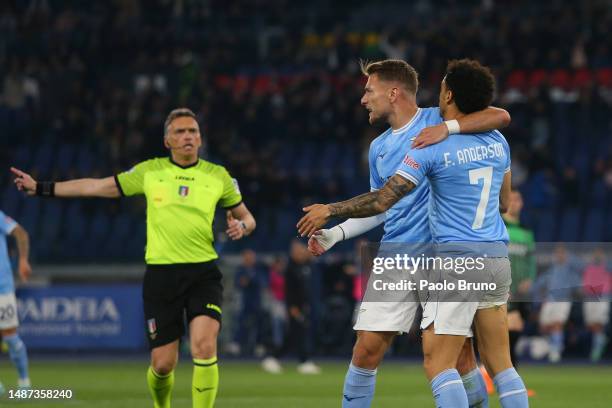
{"x": 280, "y": 105}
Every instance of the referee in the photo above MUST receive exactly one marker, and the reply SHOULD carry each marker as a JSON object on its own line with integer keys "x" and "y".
{"x": 181, "y": 278}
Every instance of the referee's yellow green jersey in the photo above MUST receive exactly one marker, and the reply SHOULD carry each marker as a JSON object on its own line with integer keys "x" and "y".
{"x": 181, "y": 203}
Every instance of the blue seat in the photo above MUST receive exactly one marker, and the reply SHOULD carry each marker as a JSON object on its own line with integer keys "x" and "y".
{"x": 51, "y": 221}
{"x": 594, "y": 226}
{"x": 29, "y": 216}
{"x": 75, "y": 231}
{"x": 64, "y": 159}
{"x": 136, "y": 243}
{"x": 545, "y": 230}
{"x": 43, "y": 161}
{"x": 22, "y": 157}
{"x": 608, "y": 228}
{"x": 120, "y": 229}
{"x": 12, "y": 200}
{"x": 85, "y": 162}
{"x": 570, "y": 230}
{"x": 598, "y": 196}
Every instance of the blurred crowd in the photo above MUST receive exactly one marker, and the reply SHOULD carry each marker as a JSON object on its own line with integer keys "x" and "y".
{"x": 85, "y": 87}
{"x": 304, "y": 306}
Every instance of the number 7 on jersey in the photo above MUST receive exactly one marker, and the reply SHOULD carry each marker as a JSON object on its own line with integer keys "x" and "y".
{"x": 485, "y": 173}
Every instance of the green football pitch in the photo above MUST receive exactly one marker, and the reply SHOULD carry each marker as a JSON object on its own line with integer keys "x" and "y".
{"x": 243, "y": 384}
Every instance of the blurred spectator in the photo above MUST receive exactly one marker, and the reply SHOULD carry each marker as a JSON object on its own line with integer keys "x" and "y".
{"x": 298, "y": 284}
{"x": 597, "y": 287}
{"x": 250, "y": 281}
{"x": 336, "y": 335}
{"x": 279, "y": 104}
{"x": 557, "y": 288}
{"x": 277, "y": 309}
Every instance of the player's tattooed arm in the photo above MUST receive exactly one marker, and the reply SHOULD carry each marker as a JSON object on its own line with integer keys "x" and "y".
{"x": 364, "y": 205}
{"x": 375, "y": 202}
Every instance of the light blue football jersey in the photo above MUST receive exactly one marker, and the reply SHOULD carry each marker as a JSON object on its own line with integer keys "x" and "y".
{"x": 465, "y": 174}
{"x": 7, "y": 225}
{"x": 407, "y": 221}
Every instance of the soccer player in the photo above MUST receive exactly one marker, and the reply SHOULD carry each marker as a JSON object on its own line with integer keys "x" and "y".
{"x": 8, "y": 304}
{"x": 522, "y": 257}
{"x": 559, "y": 282}
{"x": 390, "y": 98}
{"x": 182, "y": 278}
{"x": 470, "y": 183}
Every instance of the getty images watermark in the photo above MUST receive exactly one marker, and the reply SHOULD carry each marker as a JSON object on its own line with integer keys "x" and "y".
{"x": 458, "y": 272}
{"x": 410, "y": 272}
{"x": 411, "y": 265}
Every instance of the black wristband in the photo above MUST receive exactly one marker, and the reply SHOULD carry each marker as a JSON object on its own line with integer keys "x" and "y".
{"x": 343, "y": 234}
{"x": 45, "y": 188}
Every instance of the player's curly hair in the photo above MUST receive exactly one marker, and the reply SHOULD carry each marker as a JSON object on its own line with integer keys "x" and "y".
{"x": 472, "y": 84}
{"x": 393, "y": 70}
{"x": 177, "y": 113}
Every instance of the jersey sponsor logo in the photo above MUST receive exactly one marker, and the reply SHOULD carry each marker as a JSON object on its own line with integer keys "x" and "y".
{"x": 183, "y": 191}
{"x": 152, "y": 328}
{"x": 214, "y": 307}
{"x": 410, "y": 162}
{"x": 185, "y": 178}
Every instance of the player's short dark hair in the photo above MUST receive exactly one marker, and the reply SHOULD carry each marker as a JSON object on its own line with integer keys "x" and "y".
{"x": 177, "y": 113}
{"x": 393, "y": 70}
{"x": 472, "y": 84}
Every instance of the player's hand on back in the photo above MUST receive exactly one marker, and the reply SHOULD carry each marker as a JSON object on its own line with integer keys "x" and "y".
{"x": 235, "y": 229}
{"x": 25, "y": 270}
{"x": 24, "y": 181}
{"x": 430, "y": 135}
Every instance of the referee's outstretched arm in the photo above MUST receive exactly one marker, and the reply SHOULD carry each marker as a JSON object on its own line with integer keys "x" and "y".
{"x": 88, "y": 187}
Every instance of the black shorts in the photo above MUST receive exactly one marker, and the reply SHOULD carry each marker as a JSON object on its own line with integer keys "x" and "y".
{"x": 172, "y": 293}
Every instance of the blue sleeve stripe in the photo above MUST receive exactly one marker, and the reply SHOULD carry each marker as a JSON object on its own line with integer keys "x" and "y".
{"x": 408, "y": 176}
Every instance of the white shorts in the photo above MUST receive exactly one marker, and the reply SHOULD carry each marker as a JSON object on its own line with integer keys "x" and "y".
{"x": 8, "y": 311}
{"x": 388, "y": 310}
{"x": 596, "y": 312}
{"x": 456, "y": 318}
{"x": 554, "y": 312}
{"x": 386, "y": 316}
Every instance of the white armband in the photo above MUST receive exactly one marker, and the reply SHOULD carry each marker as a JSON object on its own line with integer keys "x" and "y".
{"x": 452, "y": 126}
